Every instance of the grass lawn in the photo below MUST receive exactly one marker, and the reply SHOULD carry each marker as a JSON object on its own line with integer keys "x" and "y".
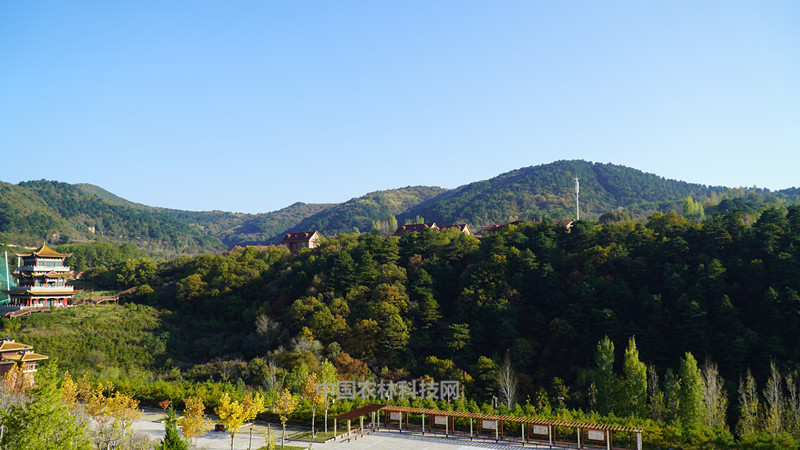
{"x": 321, "y": 436}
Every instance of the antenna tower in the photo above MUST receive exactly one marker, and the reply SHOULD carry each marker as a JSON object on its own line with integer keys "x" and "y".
{"x": 577, "y": 203}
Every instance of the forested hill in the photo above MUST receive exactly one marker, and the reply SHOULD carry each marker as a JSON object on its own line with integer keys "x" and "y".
{"x": 549, "y": 190}
{"x": 57, "y": 212}
{"x": 229, "y": 227}
{"x": 359, "y": 213}
{"x": 449, "y": 306}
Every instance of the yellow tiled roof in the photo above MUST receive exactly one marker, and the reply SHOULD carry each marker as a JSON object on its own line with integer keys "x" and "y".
{"x": 44, "y": 251}
{"x": 30, "y": 356}
{"x": 10, "y": 346}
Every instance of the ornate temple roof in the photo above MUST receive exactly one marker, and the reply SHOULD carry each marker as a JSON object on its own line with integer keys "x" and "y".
{"x": 44, "y": 251}
{"x": 11, "y": 346}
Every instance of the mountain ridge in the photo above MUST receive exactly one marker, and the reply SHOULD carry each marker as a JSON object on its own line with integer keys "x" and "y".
{"x": 61, "y": 212}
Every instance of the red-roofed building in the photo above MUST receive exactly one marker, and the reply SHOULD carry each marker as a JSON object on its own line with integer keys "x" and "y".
{"x": 42, "y": 279}
{"x": 300, "y": 240}
{"x": 415, "y": 227}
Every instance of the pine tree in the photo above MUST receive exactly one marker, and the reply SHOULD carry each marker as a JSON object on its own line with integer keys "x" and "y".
{"x": 172, "y": 440}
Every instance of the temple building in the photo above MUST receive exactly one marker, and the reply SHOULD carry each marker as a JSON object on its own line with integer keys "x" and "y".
{"x": 16, "y": 354}
{"x": 42, "y": 280}
{"x": 298, "y": 241}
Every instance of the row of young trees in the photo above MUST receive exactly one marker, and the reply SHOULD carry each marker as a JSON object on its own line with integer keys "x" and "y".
{"x": 695, "y": 398}
{"x": 60, "y": 412}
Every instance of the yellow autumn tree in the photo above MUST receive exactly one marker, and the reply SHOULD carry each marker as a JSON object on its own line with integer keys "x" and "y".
{"x": 15, "y": 382}
{"x": 193, "y": 423}
{"x": 311, "y": 393}
{"x": 69, "y": 392}
{"x": 231, "y": 414}
{"x": 114, "y": 413}
{"x": 253, "y": 406}
{"x": 284, "y": 407}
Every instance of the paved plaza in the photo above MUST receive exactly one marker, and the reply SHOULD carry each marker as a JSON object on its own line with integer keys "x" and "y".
{"x": 150, "y": 423}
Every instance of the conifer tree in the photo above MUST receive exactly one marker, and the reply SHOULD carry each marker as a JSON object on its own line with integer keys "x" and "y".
{"x": 691, "y": 404}
{"x": 672, "y": 386}
{"x": 172, "y": 440}
{"x": 604, "y": 378}
{"x": 635, "y": 382}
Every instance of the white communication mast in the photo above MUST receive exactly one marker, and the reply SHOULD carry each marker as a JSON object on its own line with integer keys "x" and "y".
{"x": 577, "y": 204}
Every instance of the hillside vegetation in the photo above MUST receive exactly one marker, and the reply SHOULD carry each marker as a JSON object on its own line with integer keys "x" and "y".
{"x": 676, "y": 285}
{"x": 34, "y": 211}
{"x": 549, "y": 190}
{"x": 547, "y": 302}
{"x": 59, "y": 212}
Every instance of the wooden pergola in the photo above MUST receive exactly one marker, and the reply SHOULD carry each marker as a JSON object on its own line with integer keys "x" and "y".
{"x": 481, "y": 426}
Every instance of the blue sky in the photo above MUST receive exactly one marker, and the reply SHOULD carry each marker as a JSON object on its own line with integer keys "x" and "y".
{"x": 251, "y": 106}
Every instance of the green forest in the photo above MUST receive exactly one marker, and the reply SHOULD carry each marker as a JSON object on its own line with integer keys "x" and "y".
{"x": 620, "y": 322}
{"x": 61, "y": 213}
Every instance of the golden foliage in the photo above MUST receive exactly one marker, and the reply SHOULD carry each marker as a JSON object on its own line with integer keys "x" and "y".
{"x": 285, "y": 405}
{"x": 194, "y": 423}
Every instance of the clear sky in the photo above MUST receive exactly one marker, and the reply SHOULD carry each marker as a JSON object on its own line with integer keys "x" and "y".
{"x": 250, "y": 106}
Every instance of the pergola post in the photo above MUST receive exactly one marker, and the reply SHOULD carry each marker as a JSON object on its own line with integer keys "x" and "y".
{"x": 447, "y": 426}
{"x": 423, "y": 423}
{"x": 608, "y": 439}
{"x": 523, "y": 432}
{"x": 401, "y": 422}
{"x": 496, "y": 430}
{"x": 334, "y": 428}
{"x": 579, "y": 437}
{"x": 470, "y": 427}
{"x": 361, "y": 420}
{"x": 348, "y": 427}
{"x": 379, "y": 418}
{"x": 638, "y": 440}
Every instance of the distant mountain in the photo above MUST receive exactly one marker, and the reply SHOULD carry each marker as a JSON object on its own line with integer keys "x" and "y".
{"x": 59, "y": 212}
{"x": 270, "y": 227}
{"x": 549, "y": 190}
{"x": 359, "y": 213}
{"x": 109, "y": 197}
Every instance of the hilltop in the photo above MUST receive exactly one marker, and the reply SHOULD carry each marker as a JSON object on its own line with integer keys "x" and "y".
{"x": 58, "y": 212}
